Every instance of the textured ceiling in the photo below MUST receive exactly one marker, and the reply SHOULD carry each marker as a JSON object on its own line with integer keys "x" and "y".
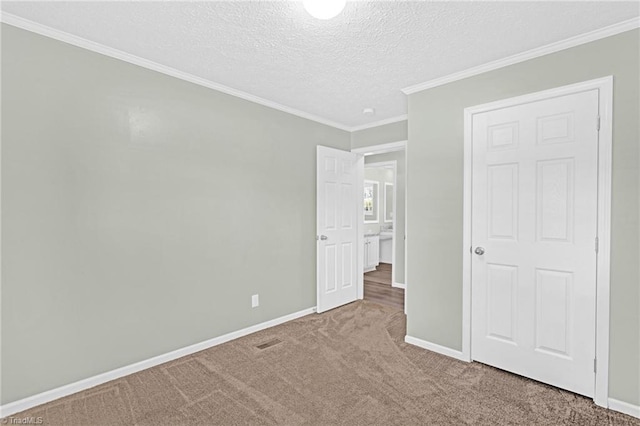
{"x": 332, "y": 69}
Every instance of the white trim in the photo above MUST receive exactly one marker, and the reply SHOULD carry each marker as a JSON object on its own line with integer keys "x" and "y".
{"x": 360, "y": 226}
{"x": 62, "y": 391}
{"x": 0, "y": 237}
{"x": 435, "y": 348}
{"x": 598, "y": 34}
{"x": 399, "y": 285}
{"x": 603, "y": 277}
{"x": 624, "y": 407}
{"x": 406, "y": 219}
{"x": 65, "y": 37}
{"x": 466, "y": 237}
{"x": 605, "y": 144}
{"x": 394, "y": 231}
{"x": 391, "y": 120}
{"x": 383, "y": 148}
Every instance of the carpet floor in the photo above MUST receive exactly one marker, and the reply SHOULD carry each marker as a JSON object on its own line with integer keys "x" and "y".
{"x": 348, "y": 366}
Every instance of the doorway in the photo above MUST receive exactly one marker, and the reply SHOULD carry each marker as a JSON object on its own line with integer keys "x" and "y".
{"x": 383, "y": 226}
{"x": 536, "y": 249}
{"x": 379, "y": 221}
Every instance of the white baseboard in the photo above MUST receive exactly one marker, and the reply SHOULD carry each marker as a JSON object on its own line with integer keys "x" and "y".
{"x": 399, "y": 285}
{"x": 624, "y": 407}
{"x": 50, "y": 395}
{"x": 614, "y": 404}
{"x": 436, "y": 348}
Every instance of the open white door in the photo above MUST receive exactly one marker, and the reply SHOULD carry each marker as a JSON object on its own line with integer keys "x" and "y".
{"x": 337, "y": 228}
{"x": 534, "y": 227}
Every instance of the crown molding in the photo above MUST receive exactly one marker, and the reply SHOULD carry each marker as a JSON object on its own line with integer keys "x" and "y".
{"x": 68, "y": 38}
{"x": 380, "y": 123}
{"x": 598, "y": 34}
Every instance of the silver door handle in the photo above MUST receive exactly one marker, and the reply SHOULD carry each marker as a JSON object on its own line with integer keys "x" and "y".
{"x": 322, "y": 237}
{"x": 479, "y": 251}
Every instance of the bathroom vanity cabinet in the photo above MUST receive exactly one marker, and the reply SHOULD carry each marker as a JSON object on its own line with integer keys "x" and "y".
{"x": 371, "y": 252}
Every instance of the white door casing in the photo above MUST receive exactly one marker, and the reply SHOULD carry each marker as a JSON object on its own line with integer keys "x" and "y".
{"x": 536, "y": 198}
{"x": 337, "y": 228}
{"x": 382, "y": 149}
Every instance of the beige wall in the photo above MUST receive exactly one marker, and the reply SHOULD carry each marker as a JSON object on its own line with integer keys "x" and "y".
{"x": 393, "y": 132}
{"x": 141, "y": 212}
{"x": 435, "y": 176}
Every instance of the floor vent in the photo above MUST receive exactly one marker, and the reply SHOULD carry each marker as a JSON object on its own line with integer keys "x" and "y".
{"x": 268, "y": 344}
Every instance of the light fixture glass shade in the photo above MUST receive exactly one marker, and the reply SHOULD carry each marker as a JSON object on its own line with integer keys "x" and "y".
{"x": 324, "y": 9}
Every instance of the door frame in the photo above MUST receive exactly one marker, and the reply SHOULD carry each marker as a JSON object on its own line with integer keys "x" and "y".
{"x": 366, "y": 151}
{"x": 605, "y": 110}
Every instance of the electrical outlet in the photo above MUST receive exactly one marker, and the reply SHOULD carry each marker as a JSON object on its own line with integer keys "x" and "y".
{"x": 255, "y": 301}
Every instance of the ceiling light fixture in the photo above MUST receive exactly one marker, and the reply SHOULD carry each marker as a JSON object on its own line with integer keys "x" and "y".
{"x": 324, "y": 9}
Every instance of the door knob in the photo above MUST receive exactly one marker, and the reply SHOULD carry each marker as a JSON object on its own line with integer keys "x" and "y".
{"x": 322, "y": 237}
{"x": 479, "y": 251}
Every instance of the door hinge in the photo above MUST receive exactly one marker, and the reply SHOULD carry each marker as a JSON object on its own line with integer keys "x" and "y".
{"x": 598, "y": 123}
{"x": 597, "y": 244}
{"x": 595, "y": 365}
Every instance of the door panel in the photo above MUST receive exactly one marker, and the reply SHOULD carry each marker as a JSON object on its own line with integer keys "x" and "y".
{"x": 502, "y": 193}
{"x": 336, "y": 228}
{"x": 502, "y": 292}
{"x": 534, "y": 206}
{"x": 553, "y": 312}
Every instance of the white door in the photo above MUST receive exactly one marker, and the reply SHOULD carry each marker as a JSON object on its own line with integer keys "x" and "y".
{"x": 337, "y": 212}
{"x": 534, "y": 205}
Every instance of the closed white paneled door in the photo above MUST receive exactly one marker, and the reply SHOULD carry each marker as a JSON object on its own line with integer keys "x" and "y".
{"x": 534, "y": 227}
{"x": 336, "y": 228}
